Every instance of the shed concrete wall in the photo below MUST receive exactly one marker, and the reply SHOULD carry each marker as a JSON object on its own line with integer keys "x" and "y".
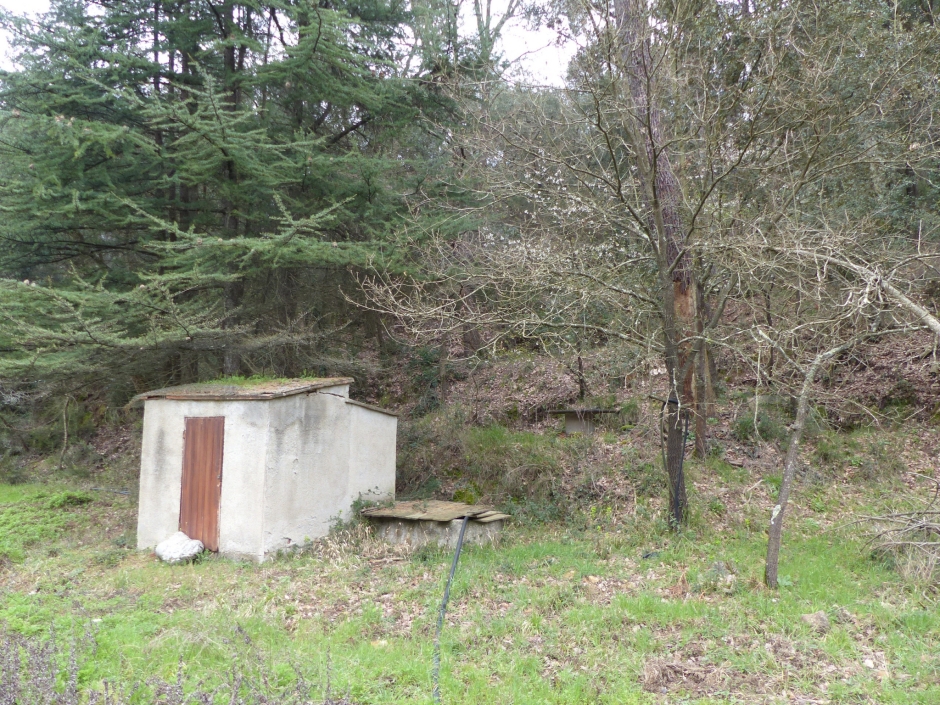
{"x": 372, "y": 438}
{"x": 241, "y": 523}
{"x": 161, "y": 471}
{"x": 307, "y": 468}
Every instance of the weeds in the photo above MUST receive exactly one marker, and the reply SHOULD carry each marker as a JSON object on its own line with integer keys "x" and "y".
{"x": 909, "y": 541}
{"x": 27, "y": 523}
{"x": 871, "y": 458}
{"x": 39, "y": 671}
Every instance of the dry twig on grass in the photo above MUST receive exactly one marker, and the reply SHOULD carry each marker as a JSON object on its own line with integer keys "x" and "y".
{"x": 911, "y": 538}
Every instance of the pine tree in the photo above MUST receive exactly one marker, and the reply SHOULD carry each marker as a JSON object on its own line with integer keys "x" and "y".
{"x": 187, "y": 186}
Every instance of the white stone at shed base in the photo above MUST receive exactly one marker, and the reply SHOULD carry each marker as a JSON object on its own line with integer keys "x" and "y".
{"x": 179, "y": 547}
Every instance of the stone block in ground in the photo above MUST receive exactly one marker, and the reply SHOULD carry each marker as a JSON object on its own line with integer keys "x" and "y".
{"x": 435, "y": 533}
{"x": 178, "y": 548}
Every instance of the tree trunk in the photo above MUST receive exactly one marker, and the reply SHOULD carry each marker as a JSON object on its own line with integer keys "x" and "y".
{"x": 472, "y": 340}
{"x": 582, "y": 386}
{"x": 676, "y": 419}
{"x": 231, "y": 358}
{"x": 442, "y": 373}
{"x": 663, "y": 197}
{"x": 701, "y": 377}
{"x": 792, "y": 462}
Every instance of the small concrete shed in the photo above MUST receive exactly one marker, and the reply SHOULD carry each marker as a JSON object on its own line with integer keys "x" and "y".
{"x": 250, "y": 469}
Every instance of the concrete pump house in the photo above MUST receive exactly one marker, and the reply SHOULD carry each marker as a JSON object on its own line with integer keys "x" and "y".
{"x": 252, "y": 469}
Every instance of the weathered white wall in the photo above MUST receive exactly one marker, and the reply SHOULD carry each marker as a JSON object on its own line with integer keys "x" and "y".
{"x": 307, "y": 468}
{"x": 241, "y": 523}
{"x": 372, "y": 437}
{"x": 161, "y": 471}
{"x": 341, "y": 390}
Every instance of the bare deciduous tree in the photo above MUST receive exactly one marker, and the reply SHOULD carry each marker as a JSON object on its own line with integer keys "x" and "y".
{"x": 663, "y": 183}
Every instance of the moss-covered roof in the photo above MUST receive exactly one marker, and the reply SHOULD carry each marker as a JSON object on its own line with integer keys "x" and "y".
{"x": 243, "y": 389}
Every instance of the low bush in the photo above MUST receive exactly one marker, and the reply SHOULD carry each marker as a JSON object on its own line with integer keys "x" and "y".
{"x": 767, "y": 428}
{"x": 489, "y": 463}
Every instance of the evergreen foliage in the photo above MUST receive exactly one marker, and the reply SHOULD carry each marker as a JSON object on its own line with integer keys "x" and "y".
{"x": 187, "y": 186}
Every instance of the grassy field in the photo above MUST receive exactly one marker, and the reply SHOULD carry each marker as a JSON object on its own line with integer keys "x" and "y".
{"x": 605, "y": 607}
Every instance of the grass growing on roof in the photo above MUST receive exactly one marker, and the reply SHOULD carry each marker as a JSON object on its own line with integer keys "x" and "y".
{"x": 254, "y": 380}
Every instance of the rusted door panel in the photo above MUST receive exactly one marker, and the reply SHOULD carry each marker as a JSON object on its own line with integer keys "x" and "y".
{"x": 202, "y": 479}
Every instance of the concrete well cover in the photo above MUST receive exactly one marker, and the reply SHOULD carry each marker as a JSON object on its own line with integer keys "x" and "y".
{"x": 435, "y": 510}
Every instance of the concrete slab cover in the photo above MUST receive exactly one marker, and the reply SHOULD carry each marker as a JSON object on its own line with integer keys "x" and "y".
{"x": 433, "y": 510}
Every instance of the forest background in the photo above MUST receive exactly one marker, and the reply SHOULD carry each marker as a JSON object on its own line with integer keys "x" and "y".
{"x": 193, "y": 190}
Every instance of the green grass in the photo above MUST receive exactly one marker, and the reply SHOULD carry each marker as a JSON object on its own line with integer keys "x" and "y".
{"x": 554, "y": 614}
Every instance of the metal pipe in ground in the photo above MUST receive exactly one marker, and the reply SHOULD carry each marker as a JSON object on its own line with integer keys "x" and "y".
{"x": 443, "y": 611}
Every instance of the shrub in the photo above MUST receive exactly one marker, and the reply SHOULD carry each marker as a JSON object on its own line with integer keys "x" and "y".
{"x": 429, "y": 448}
{"x": 516, "y": 464}
{"x": 68, "y": 499}
{"x": 630, "y": 412}
{"x": 768, "y": 428}
{"x": 648, "y": 479}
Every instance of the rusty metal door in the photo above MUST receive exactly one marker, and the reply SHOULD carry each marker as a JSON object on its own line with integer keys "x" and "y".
{"x": 202, "y": 479}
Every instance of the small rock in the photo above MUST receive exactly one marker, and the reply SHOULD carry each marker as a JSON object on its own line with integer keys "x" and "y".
{"x": 178, "y": 548}
{"x": 843, "y": 616}
{"x": 818, "y": 621}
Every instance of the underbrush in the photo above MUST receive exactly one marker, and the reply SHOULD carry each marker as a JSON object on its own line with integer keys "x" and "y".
{"x": 907, "y": 538}
{"x": 588, "y": 596}
{"x": 41, "y": 670}
{"x": 29, "y": 522}
{"x": 475, "y": 462}
{"x": 538, "y": 475}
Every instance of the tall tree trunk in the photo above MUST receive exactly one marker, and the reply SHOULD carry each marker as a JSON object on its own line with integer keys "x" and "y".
{"x": 442, "y": 380}
{"x": 769, "y": 320}
{"x": 231, "y": 358}
{"x": 472, "y": 340}
{"x": 663, "y": 197}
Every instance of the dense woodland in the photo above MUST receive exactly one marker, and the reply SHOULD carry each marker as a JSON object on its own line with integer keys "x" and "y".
{"x": 198, "y": 189}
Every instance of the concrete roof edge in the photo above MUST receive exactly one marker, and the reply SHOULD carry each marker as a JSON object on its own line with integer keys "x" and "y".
{"x": 205, "y": 391}
{"x": 372, "y": 407}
